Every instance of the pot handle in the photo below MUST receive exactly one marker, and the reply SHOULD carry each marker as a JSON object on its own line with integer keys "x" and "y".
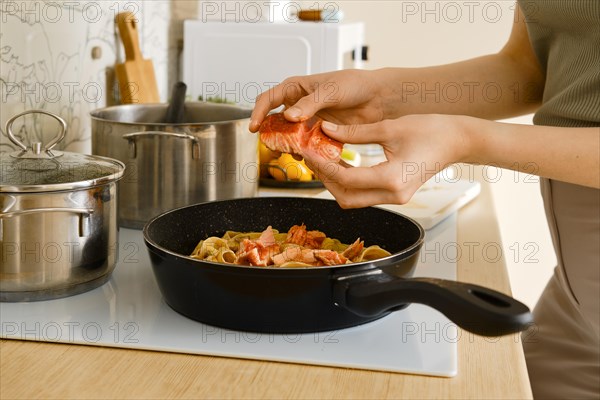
{"x": 84, "y": 217}
{"x": 474, "y": 308}
{"x": 131, "y": 138}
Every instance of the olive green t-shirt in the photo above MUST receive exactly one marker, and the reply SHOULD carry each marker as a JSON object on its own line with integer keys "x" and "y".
{"x": 565, "y": 35}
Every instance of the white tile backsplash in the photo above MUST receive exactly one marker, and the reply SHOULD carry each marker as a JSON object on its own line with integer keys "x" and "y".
{"x": 46, "y": 61}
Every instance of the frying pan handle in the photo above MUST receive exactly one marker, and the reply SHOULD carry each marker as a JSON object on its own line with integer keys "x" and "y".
{"x": 474, "y": 308}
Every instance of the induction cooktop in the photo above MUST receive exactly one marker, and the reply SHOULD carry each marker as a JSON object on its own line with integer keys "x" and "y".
{"x": 129, "y": 312}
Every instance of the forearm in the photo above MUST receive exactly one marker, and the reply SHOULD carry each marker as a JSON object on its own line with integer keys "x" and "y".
{"x": 496, "y": 86}
{"x": 492, "y": 87}
{"x": 566, "y": 154}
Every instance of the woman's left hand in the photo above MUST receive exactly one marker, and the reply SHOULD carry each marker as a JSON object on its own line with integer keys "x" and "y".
{"x": 416, "y": 148}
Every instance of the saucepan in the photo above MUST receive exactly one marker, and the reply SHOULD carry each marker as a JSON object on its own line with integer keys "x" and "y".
{"x": 299, "y": 300}
{"x": 58, "y": 219}
{"x": 206, "y": 155}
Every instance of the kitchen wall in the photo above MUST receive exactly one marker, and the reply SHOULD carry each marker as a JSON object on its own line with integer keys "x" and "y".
{"x": 59, "y": 56}
{"x": 420, "y": 33}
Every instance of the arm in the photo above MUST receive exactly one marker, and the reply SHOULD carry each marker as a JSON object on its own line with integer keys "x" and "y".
{"x": 495, "y": 86}
{"x": 419, "y": 146}
{"x": 565, "y": 154}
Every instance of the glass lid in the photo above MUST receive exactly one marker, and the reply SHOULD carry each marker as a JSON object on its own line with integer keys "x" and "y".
{"x": 40, "y": 169}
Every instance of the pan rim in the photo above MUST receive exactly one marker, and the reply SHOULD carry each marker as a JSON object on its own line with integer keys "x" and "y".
{"x": 406, "y": 251}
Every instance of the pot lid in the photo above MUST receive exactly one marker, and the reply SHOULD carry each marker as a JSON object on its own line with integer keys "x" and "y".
{"x": 40, "y": 169}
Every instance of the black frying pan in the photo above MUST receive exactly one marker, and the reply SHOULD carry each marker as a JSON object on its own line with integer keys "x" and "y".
{"x": 291, "y": 300}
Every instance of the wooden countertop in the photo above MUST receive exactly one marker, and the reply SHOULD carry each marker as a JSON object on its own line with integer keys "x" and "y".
{"x": 487, "y": 367}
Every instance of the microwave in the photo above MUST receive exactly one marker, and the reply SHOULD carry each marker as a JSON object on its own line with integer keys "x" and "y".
{"x": 235, "y": 62}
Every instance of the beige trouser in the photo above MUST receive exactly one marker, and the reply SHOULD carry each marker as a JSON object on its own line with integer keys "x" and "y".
{"x": 563, "y": 355}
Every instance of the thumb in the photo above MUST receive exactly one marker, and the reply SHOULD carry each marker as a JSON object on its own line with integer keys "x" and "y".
{"x": 355, "y": 134}
{"x": 304, "y": 109}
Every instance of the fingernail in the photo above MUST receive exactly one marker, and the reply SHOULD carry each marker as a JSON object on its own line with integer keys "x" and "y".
{"x": 330, "y": 126}
{"x": 294, "y": 112}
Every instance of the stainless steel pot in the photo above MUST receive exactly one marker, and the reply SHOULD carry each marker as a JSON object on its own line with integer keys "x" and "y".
{"x": 209, "y": 156}
{"x": 58, "y": 220}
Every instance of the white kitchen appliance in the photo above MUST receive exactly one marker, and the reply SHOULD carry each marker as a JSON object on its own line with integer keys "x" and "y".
{"x": 238, "y": 61}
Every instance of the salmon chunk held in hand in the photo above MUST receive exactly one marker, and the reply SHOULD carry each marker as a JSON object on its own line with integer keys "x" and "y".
{"x": 303, "y": 138}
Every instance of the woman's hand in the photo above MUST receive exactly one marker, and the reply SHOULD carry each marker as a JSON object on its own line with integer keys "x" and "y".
{"x": 416, "y": 147}
{"x": 419, "y": 146}
{"x": 348, "y": 97}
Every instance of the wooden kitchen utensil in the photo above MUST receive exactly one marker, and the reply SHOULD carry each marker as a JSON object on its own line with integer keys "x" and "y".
{"x": 137, "y": 82}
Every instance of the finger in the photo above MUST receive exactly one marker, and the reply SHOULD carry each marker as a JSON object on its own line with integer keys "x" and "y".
{"x": 358, "y": 134}
{"x": 287, "y": 92}
{"x": 357, "y": 198}
{"x": 265, "y": 102}
{"x": 398, "y": 186}
{"x": 304, "y": 108}
{"x": 380, "y": 176}
{"x": 325, "y": 170}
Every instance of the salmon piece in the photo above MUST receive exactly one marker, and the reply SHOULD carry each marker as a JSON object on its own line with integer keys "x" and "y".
{"x": 300, "y": 236}
{"x": 303, "y": 138}
{"x": 354, "y": 250}
{"x": 314, "y": 239}
{"x": 251, "y": 257}
{"x": 289, "y": 254}
{"x": 254, "y": 252}
{"x": 295, "y": 253}
{"x": 297, "y": 235}
{"x": 267, "y": 238}
{"x": 306, "y": 248}
{"x": 329, "y": 257}
{"x": 309, "y": 256}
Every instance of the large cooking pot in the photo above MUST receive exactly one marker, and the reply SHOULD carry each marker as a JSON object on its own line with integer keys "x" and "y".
{"x": 296, "y": 300}
{"x": 208, "y": 156}
{"x": 58, "y": 220}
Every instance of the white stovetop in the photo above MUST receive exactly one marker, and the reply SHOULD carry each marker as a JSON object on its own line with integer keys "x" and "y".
{"x": 128, "y": 311}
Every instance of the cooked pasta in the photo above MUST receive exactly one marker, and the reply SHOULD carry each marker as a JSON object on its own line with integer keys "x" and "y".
{"x": 295, "y": 249}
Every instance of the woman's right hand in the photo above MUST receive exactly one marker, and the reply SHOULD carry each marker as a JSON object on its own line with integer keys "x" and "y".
{"x": 344, "y": 97}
